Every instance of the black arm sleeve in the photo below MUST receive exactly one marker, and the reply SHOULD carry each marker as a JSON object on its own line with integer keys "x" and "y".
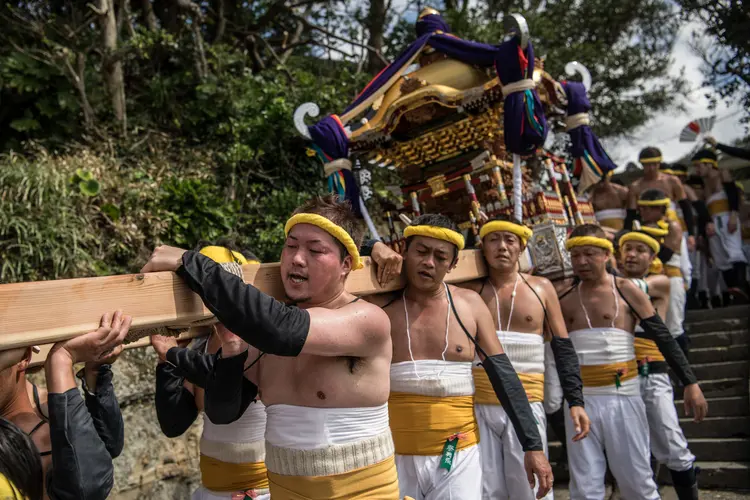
{"x": 513, "y": 397}
{"x": 733, "y": 151}
{"x": 259, "y": 319}
{"x": 631, "y": 215}
{"x": 193, "y": 365}
{"x": 687, "y": 215}
{"x": 175, "y": 405}
{"x": 366, "y": 249}
{"x": 665, "y": 253}
{"x": 568, "y": 370}
{"x": 81, "y": 465}
{"x": 228, "y": 392}
{"x": 733, "y": 195}
{"x": 703, "y": 216}
{"x": 105, "y": 411}
{"x": 655, "y": 329}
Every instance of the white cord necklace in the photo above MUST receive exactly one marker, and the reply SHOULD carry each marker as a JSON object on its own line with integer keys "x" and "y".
{"x": 585, "y": 312}
{"x": 408, "y": 332}
{"x": 512, "y": 305}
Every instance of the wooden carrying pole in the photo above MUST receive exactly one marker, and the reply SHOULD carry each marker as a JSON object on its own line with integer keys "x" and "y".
{"x": 45, "y": 312}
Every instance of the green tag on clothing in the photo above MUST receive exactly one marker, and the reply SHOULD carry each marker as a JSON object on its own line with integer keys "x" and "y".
{"x": 643, "y": 370}
{"x": 449, "y": 453}
{"x": 618, "y": 382}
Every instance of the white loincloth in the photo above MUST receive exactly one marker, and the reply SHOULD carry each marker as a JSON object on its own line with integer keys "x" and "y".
{"x": 618, "y": 423}
{"x": 668, "y": 443}
{"x": 726, "y": 247}
{"x": 419, "y": 476}
{"x": 611, "y": 217}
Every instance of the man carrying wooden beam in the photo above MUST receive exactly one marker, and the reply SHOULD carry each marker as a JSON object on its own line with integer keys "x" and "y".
{"x": 322, "y": 366}
{"x": 435, "y": 328}
{"x": 526, "y": 307}
{"x": 80, "y": 439}
{"x": 668, "y": 444}
{"x": 601, "y": 312}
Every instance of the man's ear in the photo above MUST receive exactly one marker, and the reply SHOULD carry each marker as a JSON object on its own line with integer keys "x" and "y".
{"x": 348, "y": 262}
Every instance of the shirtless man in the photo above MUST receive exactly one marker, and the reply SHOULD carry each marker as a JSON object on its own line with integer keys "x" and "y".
{"x": 724, "y": 234}
{"x": 433, "y": 327}
{"x": 652, "y": 206}
{"x": 80, "y": 439}
{"x": 526, "y": 308}
{"x": 668, "y": 444}
{"x": 609, "y": 201}
{"x": 601, "y": 313}
{"x": 321, "y": 367}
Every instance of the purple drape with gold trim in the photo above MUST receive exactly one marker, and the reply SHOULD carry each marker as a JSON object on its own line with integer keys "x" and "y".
{"x": 591, "y": 160}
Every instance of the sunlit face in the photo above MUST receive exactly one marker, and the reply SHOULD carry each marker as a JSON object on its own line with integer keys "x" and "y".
{"x": 649, "y": 215}
{"x": 427, "y": 261}
{"x": 650, "y": 168}
{"x": 635, "y": 258}
{"x": 588, "y": 261}
{"x": 502, "y": 249}
{"x": 312, "y": 269}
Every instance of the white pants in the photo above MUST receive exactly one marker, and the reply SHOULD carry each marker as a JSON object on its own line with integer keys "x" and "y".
{"x": 675, "y": 316}
{"x": 618, "y": 429}
{"x": 686, "y": 264}
{"x": 668, "y": 443}
{"x": 726, "y": 247}
{"x": 503, "y": 473}
{"x": 553, "y": 394}
{"x": 421, "y": 478}
{"x": 203, "y": 494}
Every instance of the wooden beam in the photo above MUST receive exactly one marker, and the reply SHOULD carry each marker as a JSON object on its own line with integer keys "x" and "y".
{"x": 45, "y": 312}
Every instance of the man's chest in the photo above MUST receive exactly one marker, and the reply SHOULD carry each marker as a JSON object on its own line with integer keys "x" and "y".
{"x": 596, "y": 309}
{"x": 431, "y": 331}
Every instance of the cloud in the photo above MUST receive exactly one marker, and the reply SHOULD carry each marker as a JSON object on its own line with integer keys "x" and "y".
{"x": 663, "y": 131}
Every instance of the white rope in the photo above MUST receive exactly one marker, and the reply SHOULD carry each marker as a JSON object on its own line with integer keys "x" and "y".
{"x": 617, "y": 303}
{"x": 408, "y": 333}
{"x": 512, "y": 305}
{"x": 519, "y": 86}
{"x": 576, "y": 121}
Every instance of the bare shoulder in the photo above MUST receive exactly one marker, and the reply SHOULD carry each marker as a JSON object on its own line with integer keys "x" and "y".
{"x": 465, "y": 296}
{"x": 630, "y": 289}
{"x": 381, "y": 300}
{"x": 658, "y": 283}
{"x": 475, "y": 285}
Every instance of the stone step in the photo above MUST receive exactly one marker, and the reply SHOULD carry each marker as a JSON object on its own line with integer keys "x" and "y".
{"x": 717, "y": 427}
{"x": 722, "y": 312}
{"x": 716, "y": 325}
{"x": 723, "y": 475}
{"x": 719, "y": 388}
{"x": 721, "y": 407}
{"x": 718, "y": 354}
{"x": 721, "y": 370}
{"x": 719, "y": 339}
{"x": 704, "y": 449}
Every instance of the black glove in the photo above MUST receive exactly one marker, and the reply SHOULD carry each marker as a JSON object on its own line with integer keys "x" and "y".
{"x": 568, "y": 370}
{"x": 228, "y": 392}
{"x": 655, "y": 329}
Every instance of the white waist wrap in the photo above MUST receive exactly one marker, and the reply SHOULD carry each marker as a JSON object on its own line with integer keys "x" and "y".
{"x": 433, "y": 377}
{"x": 604, "y": 346}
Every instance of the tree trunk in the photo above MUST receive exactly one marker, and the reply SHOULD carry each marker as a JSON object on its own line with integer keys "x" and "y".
{"x": 149, "y": 18}
{"x": 112, "y": 65}
{"x": 375, "y": 25}
{"x": 221, "y": 20}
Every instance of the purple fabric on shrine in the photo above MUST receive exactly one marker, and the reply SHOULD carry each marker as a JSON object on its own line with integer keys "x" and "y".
{"x": 329, "y": 135}
{"x": 432, "y": 23}
{"x": 584, "y": 145}
{"x": 525, "y": 126}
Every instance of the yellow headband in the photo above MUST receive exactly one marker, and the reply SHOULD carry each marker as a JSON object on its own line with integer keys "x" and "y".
{"x": 650, "y": 160}
{"x": 329, "y": 227}
{"x": 439, "y": 233}
{"x": 8, "y": 489}
{"x": 659, "y": 232}
{"x": 656, "y": 266}
{"x": 523, "y": 232}
{"x": 664, "y": 202}
{"x": 711, "y": 162}
{"x": 640, "y": 237}
{"x": 222, "y": 255}
{"x": 594, "y": 241}
{"x": 668, "y": 171}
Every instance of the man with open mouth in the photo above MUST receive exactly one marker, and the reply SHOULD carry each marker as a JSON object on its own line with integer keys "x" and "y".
{"x": 321, "y": 366}
{"x": 435, "y": 330}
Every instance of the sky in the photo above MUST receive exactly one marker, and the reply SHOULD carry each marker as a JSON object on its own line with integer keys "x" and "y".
{"x": 663, "y": 131}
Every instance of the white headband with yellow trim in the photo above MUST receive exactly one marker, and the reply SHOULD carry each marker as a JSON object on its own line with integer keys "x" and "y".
{"x": 329, "y": 227}
{"x": 592, "y": 241}
{"x": 523, "y": 232}
{"x": 439, "y": 233}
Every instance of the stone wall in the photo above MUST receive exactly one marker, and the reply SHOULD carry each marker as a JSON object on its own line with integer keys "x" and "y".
{"x": 151, "y": 466}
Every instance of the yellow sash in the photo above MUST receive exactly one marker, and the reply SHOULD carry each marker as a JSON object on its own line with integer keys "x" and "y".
{"x": 484, "y": 394}
{"x": 604, "y": 375}
{"x": 717, "y": 207}
{"x": 422, "y": 424}
{"x": 376, "y": 482}
{"x": 224, "y": 476}
{"x": 673, "y": 271}
{"x": 646, "y": 350}
{"x": 615, "y": 223}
